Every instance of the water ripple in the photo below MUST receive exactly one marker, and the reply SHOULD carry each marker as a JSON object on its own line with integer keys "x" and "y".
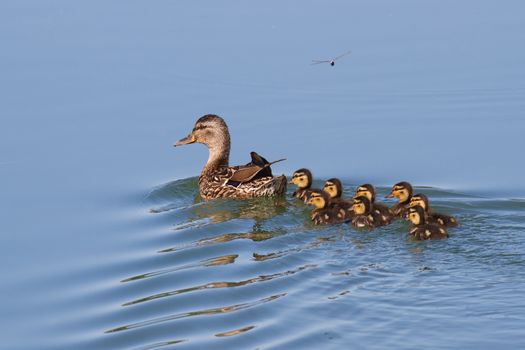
{"x": 213, "y": 311}
{"x": 214, "y": 285}
{"x": 378, "y": 279}
{"x": 235, "y": 332}
{"x": 220, "y": 260}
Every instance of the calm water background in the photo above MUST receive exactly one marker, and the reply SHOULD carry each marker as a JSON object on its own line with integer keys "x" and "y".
{"x": 103, "y": 246}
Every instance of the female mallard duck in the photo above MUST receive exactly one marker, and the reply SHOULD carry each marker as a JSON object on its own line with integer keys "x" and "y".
{"x": 324, "y": 213}
{"x": 402, "y": 191}
{"x": 441, "y": 219}
{"x": 363, "y": 217}
{"x": 218, "y": 179}
{"x": 303, "y": 179}
{"x": 381, "y": 213}
{"x": 420, "y": 229}
{"x": 334, "y": 188}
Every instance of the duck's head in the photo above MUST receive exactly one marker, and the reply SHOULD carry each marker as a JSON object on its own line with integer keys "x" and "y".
{"x": 333, "y": 187}
{"x": 302, "y": 178}
{"x": 367, "y": 191}
{"x": 419, "y": 199}
{"x": 361, "y": 205}
{"x": 402, "y": 191}
{"x": 319, "y": 199}
{"x": 210, "y": 130}
{"x": 416, "y": 215}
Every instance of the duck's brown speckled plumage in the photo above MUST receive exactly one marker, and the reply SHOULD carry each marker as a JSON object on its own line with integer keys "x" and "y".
{"x": 213, "y": 184}
{"x": 212, "y": 131}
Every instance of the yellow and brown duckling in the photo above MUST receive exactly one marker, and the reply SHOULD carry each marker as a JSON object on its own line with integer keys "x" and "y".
{"x": 334, "y": 188}
{"x": 431, "y": 217}
{"x": 324, "y": 213}
{"x": 381, "y": 213}
{"x": 302, "y": 178}
{"x": 363, "y": 217}
{"x": 420, "y": 229}
{"x": 218, "y": 179}
{"x": 403, "y": 192}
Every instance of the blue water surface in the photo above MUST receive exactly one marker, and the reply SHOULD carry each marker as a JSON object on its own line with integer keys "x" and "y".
{"x": 103, "y": 244}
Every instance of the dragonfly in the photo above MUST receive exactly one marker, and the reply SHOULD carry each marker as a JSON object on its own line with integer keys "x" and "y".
{"x": 331, "y": 61}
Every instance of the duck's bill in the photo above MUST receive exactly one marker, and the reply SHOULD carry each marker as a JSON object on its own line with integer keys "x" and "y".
{"x": 185, "y": 141}
{"x": 390, "y": 195}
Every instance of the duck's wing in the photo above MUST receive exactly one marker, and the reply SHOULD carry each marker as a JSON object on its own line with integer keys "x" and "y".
{"x": 260, "y": 161}
{"x": 244, "y": 175}
{"x": 250, "y": 173}
{"x": 257, "y": 159}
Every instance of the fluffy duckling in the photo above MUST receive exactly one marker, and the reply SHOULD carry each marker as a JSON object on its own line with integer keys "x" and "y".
{"x": 402, "y": 191}
{"x": 302, "y": 178}
{"x": 420, "y": 229}
{"x": 323, "y": 212}
{"x": 363, "y": 217}
{"x": 381, "y": 213}
{"x": 441, "y": 219}
{"x": 218, "y": 179}
{"x": 334, "y": 188}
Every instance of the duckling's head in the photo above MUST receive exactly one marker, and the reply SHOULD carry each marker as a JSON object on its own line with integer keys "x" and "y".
{"x": 368, "y": 191}
{"x": 419, "y": 199}
{"x": 302, "y": 178}
{"x": 333, "y": 187}
{"x": 319, "y": 199}
{"x": 210, "y": 130}
{"x": 416, "y": 215}
{"x": 361, "y": 205}
{"x": 402, "y": 191}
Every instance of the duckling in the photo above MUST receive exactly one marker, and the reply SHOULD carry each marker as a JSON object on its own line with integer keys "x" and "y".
{"x": 218, "y": 179}
{"x": 323, "y": 212}
{"x": 402, "y": 191}
{"x": 441, "y": 219}
{"x": 420, "y": 229}
{"x": 381, "y": 213}
{"x": 334, "y": 188}
{"x": 303, "y": 179}
{"x": 363, "y": 217}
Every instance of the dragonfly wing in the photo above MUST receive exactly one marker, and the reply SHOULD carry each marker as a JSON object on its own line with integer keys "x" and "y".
{"x": 346, "y": 53}
{"x": 318, "y": 61}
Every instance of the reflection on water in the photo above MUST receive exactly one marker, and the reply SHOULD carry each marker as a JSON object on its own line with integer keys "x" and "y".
{"x": 219, "y": 310}
{"x": 163, "y": 344}
{"x": 213, "y": 285}
{"x": 220, "y": 260}
{"x": 235, "y": 332}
